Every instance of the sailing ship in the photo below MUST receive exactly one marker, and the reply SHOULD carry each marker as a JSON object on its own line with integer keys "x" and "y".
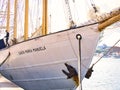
{"x": 54, "y": 61}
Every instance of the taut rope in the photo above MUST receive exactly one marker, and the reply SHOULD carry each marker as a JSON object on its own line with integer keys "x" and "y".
{"x": 89, "y": 72}
{"x": 5, "y": 59}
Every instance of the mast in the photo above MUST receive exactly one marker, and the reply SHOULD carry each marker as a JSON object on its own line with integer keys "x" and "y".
{"x": 26, "y": 20}
{"x": 44, "y": 18}
{"x": 8, "y": 16}
{"x": 15, "y": 19}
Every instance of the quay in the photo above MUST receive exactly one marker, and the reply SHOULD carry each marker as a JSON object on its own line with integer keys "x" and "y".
{"x": 7, "y": 85}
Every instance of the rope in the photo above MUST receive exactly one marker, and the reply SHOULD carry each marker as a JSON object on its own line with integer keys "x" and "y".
{"x": 106, "y": 53}
{"x": 74, "y": 49}
{"x": 69, "y": 11}
{"x": 5, "y": 59}
{"x": 79, "y": 37}
{"x": 93, "y": 5}
{"x": 71, "y": 22}
{"x": 89, "y": 72}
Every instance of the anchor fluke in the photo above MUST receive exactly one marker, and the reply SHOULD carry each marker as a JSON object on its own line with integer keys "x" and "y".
{"x": 89, "y": 73}
{"x": 72, "y": 72}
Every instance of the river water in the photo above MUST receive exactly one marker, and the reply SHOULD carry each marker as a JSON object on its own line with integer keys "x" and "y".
{"x": 106, "y": 75}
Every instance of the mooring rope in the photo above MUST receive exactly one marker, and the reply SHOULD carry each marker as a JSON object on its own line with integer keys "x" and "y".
{"x": 5, "y": 59}
{"x": 79, "y": 37}
{"x": 106, "y": 53}
{"x": 89, "y": 72}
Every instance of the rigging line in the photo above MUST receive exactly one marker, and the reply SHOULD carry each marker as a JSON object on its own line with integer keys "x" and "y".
{"x": 38, "y": 11}
{"x": 94, "y": 6}
{"x": 92, "y": 2}
{"x": 3, "y": 19}
{"x": 5, "y": 59}
{"x": 71, "y": 44}
{"x": 2, "y": 8}
{"x": 88, "y": 5}
{"x": 106, "y": 52}
{"x": 68, "y": 8}
{"x": 74, "y": 50}
{"x": 34, "y": 12}
{"x": 76, "y": 12}
{"x": 64, "y": 10}
{"x": 20, "y": 19}
{"x": 31, "y": 12}
{"x": 1, "y": 5}
{"x": 79, "y": 38}
{"x": 90, "y": 70}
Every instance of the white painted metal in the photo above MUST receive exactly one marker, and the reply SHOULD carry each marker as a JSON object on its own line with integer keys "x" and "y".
{"x": 37, "y": 64}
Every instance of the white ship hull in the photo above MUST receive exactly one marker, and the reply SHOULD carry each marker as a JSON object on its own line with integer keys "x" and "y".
{"x": 37, "y": 64}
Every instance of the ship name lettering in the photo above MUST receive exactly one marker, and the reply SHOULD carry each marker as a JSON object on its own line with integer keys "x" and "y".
{"x": 31, "y": 50}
